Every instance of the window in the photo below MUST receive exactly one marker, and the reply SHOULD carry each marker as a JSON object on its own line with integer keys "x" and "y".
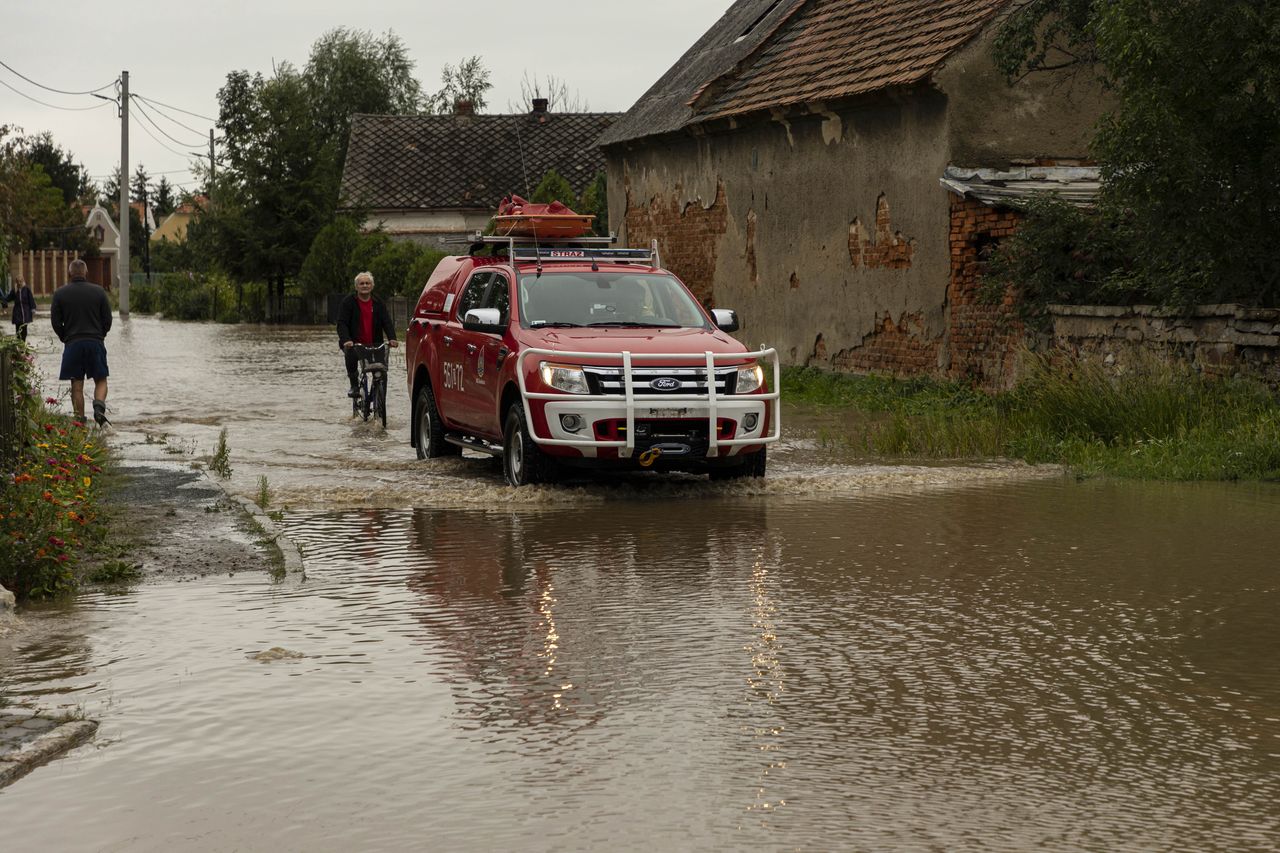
{"x": 500, "y": 296}
{"x": 473, "y": 293}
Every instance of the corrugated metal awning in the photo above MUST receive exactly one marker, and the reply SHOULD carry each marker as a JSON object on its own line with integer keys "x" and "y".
{"x": 1076, "y": 185}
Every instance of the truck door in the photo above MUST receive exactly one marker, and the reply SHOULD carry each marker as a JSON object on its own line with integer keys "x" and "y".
{"x": 457, "y": 365}
{"x": 482, "y": 351}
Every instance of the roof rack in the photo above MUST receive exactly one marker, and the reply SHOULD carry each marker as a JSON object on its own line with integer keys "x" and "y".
{"x": 521, "y": 248}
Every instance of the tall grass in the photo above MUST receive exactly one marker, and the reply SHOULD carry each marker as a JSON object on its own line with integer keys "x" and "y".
{"x": 1155, "y": 421}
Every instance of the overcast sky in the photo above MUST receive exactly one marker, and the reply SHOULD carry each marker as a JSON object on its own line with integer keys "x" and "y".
{"x": 179, "y": 53}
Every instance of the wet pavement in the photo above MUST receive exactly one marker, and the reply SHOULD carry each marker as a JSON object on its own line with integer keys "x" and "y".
{"x": 846, "y": 656}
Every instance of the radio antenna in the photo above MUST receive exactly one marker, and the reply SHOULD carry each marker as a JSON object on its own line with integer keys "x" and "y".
{"x": 524, "y": 169}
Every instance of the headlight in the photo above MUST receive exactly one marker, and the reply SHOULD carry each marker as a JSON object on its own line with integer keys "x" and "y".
{"x": 750, "y": 378}
{"x": 563, "y": 377}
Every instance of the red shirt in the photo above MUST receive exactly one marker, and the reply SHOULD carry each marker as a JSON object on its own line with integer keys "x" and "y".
{"x": 364, "y": 334}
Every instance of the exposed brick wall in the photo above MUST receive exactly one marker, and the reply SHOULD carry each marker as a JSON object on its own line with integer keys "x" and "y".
{"x": 688, "y": 234}
{"x": 900, "y": 348}
{"x": 888, "y": 249}
{"x": 983, "y": 339}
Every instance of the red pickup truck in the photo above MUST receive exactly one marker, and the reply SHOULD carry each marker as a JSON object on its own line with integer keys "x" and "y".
{"x": 573, "y": 354}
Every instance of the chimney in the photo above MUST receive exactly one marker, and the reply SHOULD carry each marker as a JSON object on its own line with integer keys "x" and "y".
{"x": 463, "y": 107}
{"x": 539, "y": 105}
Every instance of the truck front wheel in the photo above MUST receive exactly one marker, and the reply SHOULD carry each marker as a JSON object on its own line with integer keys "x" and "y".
{"x": 753, "y": 466}
{"x": 426, "y": 418}
{"x": 523, "y": 462}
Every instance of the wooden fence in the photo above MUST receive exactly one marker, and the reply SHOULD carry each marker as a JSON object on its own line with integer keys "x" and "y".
{"x": 46, "y": 270}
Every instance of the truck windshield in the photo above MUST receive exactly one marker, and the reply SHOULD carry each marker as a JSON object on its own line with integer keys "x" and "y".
{"x": 607, "y": 299}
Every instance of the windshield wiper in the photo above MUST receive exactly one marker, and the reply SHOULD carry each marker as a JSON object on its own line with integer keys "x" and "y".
{"x": 544, "y": 324}
{"x": 633, "y": 324}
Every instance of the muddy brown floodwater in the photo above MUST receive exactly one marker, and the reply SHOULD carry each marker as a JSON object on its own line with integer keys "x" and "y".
{"x": 846, "y": 656}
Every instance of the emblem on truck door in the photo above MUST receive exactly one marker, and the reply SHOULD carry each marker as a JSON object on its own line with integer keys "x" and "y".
{"x": 664, "y": 383}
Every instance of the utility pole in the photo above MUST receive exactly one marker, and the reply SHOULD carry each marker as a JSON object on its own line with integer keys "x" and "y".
{"x": 213, "y": 168}
{"x": 123, "y": 255}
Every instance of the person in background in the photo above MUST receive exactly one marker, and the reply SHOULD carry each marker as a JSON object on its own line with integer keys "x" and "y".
{"x": 81, "y": 317}
{"x": 24, "y": 306}
{"x": 362, "y": 319}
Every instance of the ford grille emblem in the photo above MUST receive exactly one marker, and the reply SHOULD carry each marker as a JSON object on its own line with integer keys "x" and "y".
{"x": 664, "y": 383}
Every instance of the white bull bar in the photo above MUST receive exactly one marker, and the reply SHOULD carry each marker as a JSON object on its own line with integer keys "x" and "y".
{"x": 710, "y": 398}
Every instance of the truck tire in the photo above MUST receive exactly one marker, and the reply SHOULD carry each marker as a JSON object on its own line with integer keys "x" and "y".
{"x": 523, "y": 462}
{"x": 426, "y": 419}
{"x": 753, "y": 465}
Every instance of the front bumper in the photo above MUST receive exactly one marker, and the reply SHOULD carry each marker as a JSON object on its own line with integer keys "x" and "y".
{"x": 685, "y": 426}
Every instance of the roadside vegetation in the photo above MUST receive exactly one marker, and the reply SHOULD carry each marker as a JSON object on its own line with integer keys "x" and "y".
{"x": 1153, "y": 422}
{"x": 1189, "y": 156}
{"x": 49, "y": 500}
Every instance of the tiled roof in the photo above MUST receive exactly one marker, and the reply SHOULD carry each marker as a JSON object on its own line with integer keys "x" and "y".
{"x": 466, "y": 161}
{"x": 814, "y": 50}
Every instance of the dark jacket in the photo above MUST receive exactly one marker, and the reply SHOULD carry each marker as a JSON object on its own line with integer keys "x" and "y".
{"x": 24, "y": 305}
{"x": 349, "y": 320}
{"x": 80, "y": 311}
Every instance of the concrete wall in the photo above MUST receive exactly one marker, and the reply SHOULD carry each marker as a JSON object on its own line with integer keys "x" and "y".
{"x": 1219, "y": 340}
{"x": 1042, "y": 119}
{"x": 429, "y": 228}
{"x": 817, "y": 229}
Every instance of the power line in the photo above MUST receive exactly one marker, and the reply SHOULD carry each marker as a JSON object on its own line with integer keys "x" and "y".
{"x": 158, "y": 142}
{"x": 55, "y": 106}
{"x": 59, "y": 91}
{"x": 154, "y": 102}
{"x": 142, "y": 112}
{"x": 169, "y": 117}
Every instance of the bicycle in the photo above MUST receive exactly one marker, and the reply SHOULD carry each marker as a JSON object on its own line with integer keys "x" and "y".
{"x": 371, "y": 389}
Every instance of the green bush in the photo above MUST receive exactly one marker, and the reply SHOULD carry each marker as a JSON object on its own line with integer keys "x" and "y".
{"x": 49, "y": 504}
{"x": 392, "y": 265}
{"x": 329, "y": 265}
{"x": 421, "y": 271}
{"x": 595, "y": 202}
{"x": 553, "y": 187}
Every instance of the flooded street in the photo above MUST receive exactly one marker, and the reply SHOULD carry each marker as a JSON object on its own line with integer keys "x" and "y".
{"x": 841, "y": 657}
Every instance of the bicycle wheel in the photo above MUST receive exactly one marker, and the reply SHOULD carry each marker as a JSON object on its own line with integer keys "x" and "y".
{"x": 380, "y": 395}
{"x": 366, "y": 398}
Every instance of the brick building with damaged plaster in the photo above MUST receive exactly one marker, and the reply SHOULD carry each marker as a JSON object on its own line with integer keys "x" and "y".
{"x": 792, "y": 167}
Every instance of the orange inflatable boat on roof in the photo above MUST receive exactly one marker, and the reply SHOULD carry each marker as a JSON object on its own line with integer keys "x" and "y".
{"x": 519, "y": 218}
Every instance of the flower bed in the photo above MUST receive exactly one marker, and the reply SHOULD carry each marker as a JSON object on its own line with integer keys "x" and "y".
{"x": 49, "y": 497}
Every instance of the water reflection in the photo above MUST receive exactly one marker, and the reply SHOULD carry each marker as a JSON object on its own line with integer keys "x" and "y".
{"x": 845, "y": 657}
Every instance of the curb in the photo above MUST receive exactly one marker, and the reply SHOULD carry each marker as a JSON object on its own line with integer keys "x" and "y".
{"x": 52, "y": 743}
{"x": 289, "y": 549}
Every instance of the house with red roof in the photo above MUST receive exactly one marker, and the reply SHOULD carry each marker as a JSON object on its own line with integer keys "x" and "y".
{"x": 837, "y": 171}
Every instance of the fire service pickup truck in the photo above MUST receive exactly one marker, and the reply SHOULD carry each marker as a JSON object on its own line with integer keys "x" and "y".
{"x": 569, "y": 353}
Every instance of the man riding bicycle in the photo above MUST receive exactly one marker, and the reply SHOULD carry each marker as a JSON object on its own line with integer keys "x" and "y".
{"x": 362, "y": 319}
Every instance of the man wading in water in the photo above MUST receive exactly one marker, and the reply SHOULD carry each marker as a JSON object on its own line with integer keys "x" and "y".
{"x": 81, "y": 318}
{"x": 362, "y": 319}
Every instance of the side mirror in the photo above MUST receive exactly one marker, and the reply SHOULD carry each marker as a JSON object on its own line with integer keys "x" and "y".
{"x": 726, "y": 319}
{"x": 483, "y": 320}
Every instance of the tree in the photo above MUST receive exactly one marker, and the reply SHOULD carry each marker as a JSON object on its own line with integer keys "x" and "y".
{"x": 351, "y": 71}
{"x": 551, "y": 188}
{"x": 554, "y": 90}
{"x": 329, "y": 267}
{"x": 277, "y": 190}
{"x": 468, "y": 82}
{"x": 162, "y": 199}
{"x": 1190, "y": 157}
{"x": 58, "y": 163}
{"x": 33, "y": 212}
{"x": 595, "y": 202}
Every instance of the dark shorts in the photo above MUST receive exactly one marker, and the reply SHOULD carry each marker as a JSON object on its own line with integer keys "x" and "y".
{"x": 84, "y": 358}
